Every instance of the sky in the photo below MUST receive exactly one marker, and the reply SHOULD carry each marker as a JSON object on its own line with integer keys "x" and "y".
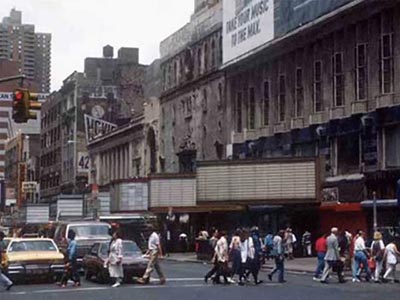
{"x": 80, "y": 28}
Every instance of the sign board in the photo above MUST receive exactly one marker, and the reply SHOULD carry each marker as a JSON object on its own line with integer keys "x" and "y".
{"x": 247, "y": 24}
{"x": 291, "y": 14}
{"x": 330, "y": 194}
{"x": 130, "y": 196}
{"x": 4, "y": 96}
{"x": 96, "y": 128}
{"x": 29, "y": 186}
{"x": 83, "y": 162}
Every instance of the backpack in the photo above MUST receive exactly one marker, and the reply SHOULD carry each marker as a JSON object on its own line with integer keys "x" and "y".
{"x": 377, "y": 251}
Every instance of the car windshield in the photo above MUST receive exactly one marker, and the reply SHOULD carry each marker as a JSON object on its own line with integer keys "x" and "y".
{"x": 90, "y": 230}
{"x": 129, "y": 249}
{"x": 21, "y": 246}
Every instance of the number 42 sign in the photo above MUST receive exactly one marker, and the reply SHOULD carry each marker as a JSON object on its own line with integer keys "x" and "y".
{"x": 83, "y": 162}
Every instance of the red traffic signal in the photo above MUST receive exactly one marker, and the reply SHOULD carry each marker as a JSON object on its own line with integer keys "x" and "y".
{"x": 18, "y": 95}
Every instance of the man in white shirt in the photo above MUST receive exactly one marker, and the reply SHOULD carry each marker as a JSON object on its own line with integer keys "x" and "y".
{"x": 360, "y": 257}
{"x": 154, "y": 250}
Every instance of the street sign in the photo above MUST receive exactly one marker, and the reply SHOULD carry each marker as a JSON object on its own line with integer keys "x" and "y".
{"x": 29, "y": 186}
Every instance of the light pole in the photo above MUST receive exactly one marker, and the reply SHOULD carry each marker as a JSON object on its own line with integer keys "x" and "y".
{"x": 375, "y": 212}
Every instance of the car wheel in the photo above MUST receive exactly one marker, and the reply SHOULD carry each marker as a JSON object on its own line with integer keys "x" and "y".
{"x": 103, "y": 277}
{"x": 88, "y": 275}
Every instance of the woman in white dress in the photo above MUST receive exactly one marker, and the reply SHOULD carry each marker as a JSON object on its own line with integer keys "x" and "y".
{"x": 391, "y": 261}
{"x": 114, "y": 261}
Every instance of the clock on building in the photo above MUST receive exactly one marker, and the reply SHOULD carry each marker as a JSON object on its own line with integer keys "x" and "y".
{"x": 98, "y": 111}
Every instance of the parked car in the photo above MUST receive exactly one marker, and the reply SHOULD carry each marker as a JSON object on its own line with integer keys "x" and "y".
{"x": 32, "y": 258}
{"x": 134, "y": 264}
{"x": 87, "y": 234}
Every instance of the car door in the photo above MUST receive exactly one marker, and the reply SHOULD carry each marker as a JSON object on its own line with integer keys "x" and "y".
{"x": 90, "y": 260}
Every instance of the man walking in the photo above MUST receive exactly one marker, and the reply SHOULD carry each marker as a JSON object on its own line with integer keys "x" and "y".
{"x": 320, "y": 248}
{"x": 3, "y": 278}
{"x": 332, "y": 257}
{"x": 360, "y": 258}
{"x": 279, "y": 254}
{"x": 154, "y": 250}
{"x": 71, "y": 268}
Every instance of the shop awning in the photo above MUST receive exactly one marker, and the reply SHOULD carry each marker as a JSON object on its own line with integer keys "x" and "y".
{"x": 262, "y": 208}
{"x": 200, "y": 209}
{"x": 379, "y": 203}
{"x": 341, "y": 207}
{"x": 352, "y": 177}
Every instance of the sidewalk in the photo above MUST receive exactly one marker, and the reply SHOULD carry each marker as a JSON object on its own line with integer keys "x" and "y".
{"x": 298, "y": 265}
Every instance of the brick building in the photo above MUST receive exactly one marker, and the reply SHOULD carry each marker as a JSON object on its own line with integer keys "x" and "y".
{"x": 109, "y": 91}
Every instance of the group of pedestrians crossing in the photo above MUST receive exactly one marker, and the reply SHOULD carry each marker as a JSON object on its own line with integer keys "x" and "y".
{"x": 376, "y": 262}
{"x": 244, "y": 255}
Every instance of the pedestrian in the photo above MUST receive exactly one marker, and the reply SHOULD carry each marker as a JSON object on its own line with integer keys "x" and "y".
{"x": 279, "y": 255}
{"x": 306, "y": 243}
{"x": 290, "y": 240}
{"x": 154, "y": 250}
{"x": 332, "y": 257}
{"x": 360, "y": 258}
{"x": 114, "y": 261}
{"x": 234, "y": 253}
{"x": 4, "y": 280}
{"x": 222, "y": 257}
{"x": 71, "y": 267}
{"x": 214, "y": 262}
{"x": 377, "y": 252}
{"x": 391, "y": 255}
{"x": 268, "y": 242}
{"x": 251, "y": 262}
{"x": 320, "y": 248}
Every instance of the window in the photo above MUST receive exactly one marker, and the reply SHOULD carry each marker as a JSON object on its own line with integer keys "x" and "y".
{"x": 361, "y": 71}
{"x": 199, "y": 61}
{"x": 318, "y": 94}
{"x": 213, "y": 53}
{"x": 299, "y": 96}
{"x": 338, "y": 79}
{"x": 220, "y": 95}
{"x": 205, "y": 101}
{"x": 266, "y": 103}
{"x": 348, "y": 154}
{"x": 386, "y": 53}
{"x": 252, "y": 109}
{"x": 392, "y": 144}
{"x": 238, "y": 112}
{"x": 282, "y": 98}
{"x": 205, "y": 56}
{"x": 387, "y": 64}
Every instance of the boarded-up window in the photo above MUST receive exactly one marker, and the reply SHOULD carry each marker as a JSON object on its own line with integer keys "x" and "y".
{"x": 392, "y": 146}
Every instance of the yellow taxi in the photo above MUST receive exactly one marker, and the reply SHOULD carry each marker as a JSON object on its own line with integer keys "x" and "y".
{"x": 32, "y": 257}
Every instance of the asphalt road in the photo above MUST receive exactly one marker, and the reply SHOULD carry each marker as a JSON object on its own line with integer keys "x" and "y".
{"x": 185, "y": 281}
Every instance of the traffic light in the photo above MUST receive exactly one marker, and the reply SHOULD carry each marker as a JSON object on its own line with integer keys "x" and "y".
{"x": 23, "y": 103}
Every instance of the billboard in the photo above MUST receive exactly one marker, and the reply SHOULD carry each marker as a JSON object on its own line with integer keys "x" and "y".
{"x": 247, "y": 24}
{"x": 291, "y": 14}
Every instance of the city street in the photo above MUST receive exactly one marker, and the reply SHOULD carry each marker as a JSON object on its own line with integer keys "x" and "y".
{"x": 185, "y": 282}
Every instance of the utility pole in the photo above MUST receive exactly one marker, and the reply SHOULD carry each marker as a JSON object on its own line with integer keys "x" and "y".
{"x": 375, "y": 212}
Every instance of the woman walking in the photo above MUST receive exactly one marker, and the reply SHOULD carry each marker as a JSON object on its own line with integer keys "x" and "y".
{"x": 114, "y": 261}
{"x": 391, "y": 261}
{"x": 378, "y": 250}
{"x": 234, "y": 254}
